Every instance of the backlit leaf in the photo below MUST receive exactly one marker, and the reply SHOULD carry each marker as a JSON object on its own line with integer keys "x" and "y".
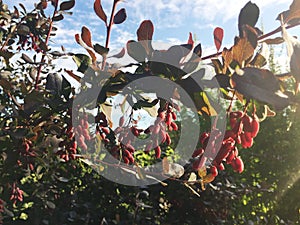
{"x": 99, "y": 11}
{"x": 193, "y": 177}
{"x": 208, "y": 178}
{"x": 202, "y": 172}
{"x": 120, "y": 16}
{"x": 242, "y": 50}
{"x": 274, "y": 41}
{"x": 218, "y": 37}
{"x": 227, "y": 59}
{"x": 293, "y": 49}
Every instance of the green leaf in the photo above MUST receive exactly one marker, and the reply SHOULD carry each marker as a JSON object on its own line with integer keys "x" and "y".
{"x": 66, "y": 88}
{"x": 101, "y": 49}
{"x": 82, "y": 61}
{"x": 99, "y": 11}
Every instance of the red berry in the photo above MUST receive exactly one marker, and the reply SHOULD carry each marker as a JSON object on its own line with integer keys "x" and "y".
{"x": 230, "y": 157}
{"x": 237, "y": 114}
{"x": 157, "y": 150}
{"x": 238, "y": 164}
{"x": 168, "y": 119}
{"x": 130, "y": 148}
{"x": 162, "y": 115}
{"x": 174, "y": 126}
{"x": 199, "y": 163}
{"x": 214, "y": 171}
{"x": 125, "y": 159}
{"x": 247, "y": 120}
{"x": 27, "y": 147}
{"x": 221, "y": 166}
{"x": 105, "y": 130}
{"x": 198, "y": 152}
{"x": 121, "y": 121}
{"x": 168, "y": 139}
{"x": 148, "y": 147}
{"x": 174, "y": 116}
{"x": 156, "y": 129}
{"x": 255, "y": 126}
{"x": 204, "y": 137}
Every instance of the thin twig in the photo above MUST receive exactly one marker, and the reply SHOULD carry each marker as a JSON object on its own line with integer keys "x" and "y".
{"x": 108, "y": 31}
{"x": 37, "y": 80}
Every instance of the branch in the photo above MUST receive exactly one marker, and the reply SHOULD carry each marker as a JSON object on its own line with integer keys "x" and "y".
{"x": 261, "y": 38}
{"x": 37, "y": 80}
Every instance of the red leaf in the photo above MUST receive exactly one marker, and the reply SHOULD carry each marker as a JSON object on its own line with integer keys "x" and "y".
{"x": 145, "y": 31}
{"x": 71, "y": 74}
{"x": 120, "y": 16}
{"x": 99, "y": 11}
{"x": 86, "y": 36}
{"x": 120, "y": 54}
{"x": 77, "y": 38}
{"x": 83, "y": 44}
{"x": 190, "y": 40}
{"x": 218, "y": 37}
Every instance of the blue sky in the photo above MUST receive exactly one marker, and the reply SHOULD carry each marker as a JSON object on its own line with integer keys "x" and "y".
{"x": 173, "y": 20}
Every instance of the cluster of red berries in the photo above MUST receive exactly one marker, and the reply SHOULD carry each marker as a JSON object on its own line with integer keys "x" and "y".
{"x": 16, "y": 194}
{"x": 126, "y": 136}
{"x": 82, "y": 133}
{"x": 68, "y": 147}
{"x": 27, "y": 155}
{"x": 120, "y": 146}
{"x": 243, "y": 128}
{"x": 159, "y": 131}
{"x": 102, "y": 126}
{"x": 223, "y": 149}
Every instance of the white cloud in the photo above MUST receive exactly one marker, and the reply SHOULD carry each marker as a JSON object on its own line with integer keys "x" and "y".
{"x": 172, "y": 12}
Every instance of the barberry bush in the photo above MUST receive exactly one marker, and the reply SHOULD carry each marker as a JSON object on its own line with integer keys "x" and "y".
{"x": 67, "y": 153}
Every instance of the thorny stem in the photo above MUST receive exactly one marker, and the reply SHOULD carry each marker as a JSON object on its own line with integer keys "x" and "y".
{"x": 37, "y": 80}
{"x": 108, "y": 31}
{"x": 277, "y": 30}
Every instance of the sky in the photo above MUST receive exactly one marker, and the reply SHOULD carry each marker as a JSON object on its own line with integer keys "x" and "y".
{"x": 172, "y": 19}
